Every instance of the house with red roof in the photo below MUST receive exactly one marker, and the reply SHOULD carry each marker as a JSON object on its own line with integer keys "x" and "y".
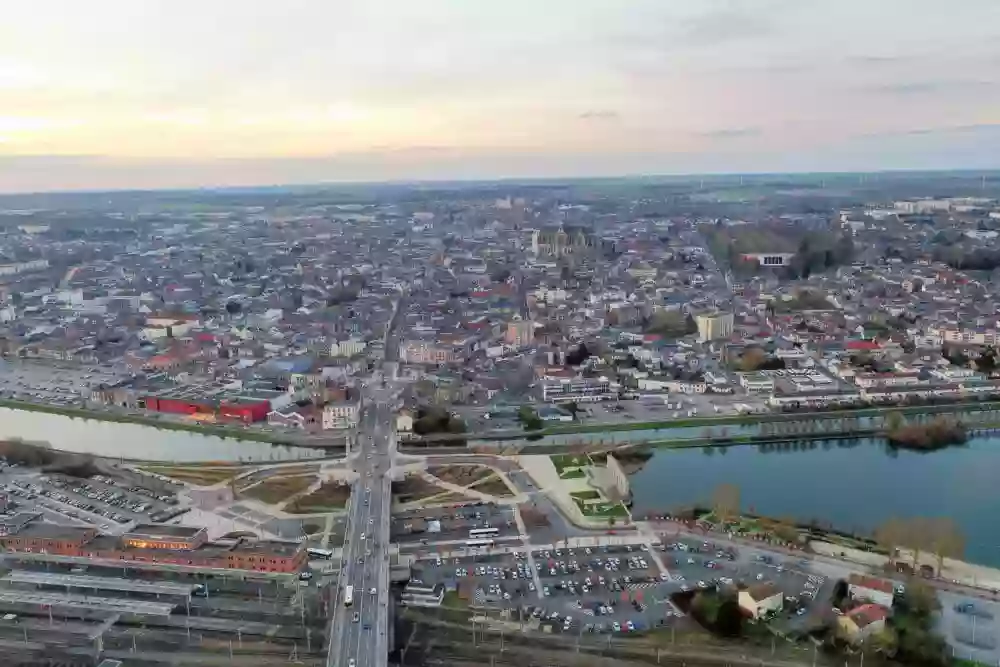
{"x": 871, "y": 589}
{"x": 862, "y": 622}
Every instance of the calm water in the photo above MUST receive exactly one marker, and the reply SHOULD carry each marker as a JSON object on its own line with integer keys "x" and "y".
{"x": 134, "y": 441}
{"x": 853, "y": 488}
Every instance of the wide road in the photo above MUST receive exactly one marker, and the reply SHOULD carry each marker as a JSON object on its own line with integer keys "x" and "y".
{"x": 359, "y": 633}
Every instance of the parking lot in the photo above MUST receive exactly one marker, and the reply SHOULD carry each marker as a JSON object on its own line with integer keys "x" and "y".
{"x": 53, "y": 382}
{"x": 971, "y": 627}
{"x": 109, "y": 503}
{"x": 621, "y": 588}
{"x": 451, "y": 523}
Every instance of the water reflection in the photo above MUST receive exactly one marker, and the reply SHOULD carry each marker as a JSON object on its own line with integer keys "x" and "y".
{"x": 135, "y": 441}
{"x": 853, "y": 484}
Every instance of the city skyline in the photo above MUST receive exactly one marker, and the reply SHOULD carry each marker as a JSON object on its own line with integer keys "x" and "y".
{"x": 118, "y": 95}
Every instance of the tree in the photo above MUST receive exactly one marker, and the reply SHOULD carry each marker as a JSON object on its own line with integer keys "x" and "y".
{"x": 917, "y": 537}
{"x": 784, "y": 529}
{"x": 894, "y": 421}
{"x": 529, "y": 418}
{"x": 920, "y": 599}
{"x": 841, "y": 591}
{"x": 889, "y": 535}
{"x": 752, "y": 358}
{"x": 885, "y": 641}
{"x": 578, "y": 356}
{"x": 729, "y": 618}
{"x": 986, "y": 362}
{"x": 945, "y": 541}
{"x": 671, "y": 324}
{"x": 726, "y": 502}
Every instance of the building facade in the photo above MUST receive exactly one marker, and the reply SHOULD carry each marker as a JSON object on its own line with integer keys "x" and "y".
{"x": 341, "y": 415}
{"x": 177, "y": 545}
{"x": 520, "y": 333}
{"x": 714, "y": 326}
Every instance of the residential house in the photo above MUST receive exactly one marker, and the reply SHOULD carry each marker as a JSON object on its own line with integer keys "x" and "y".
{"x": 404, "y": 422}
{"x": 761, "y": 599}
{"x": 877, "y": 591}
{"x": 862, "y": 622}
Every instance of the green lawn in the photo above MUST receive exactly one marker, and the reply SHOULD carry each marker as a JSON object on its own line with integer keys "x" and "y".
{"x": 606, "y": 510}
{"x": 569, "y": 461}
{"x": 586, "y": 495}
{"x": 572, "y": 473}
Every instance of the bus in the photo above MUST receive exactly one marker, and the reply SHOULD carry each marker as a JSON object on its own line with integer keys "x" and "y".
{"x": 348, "y": 596}
{"x": 324, "y": 554}
{"x": 479, "y": 543}
{"x": 477, "y": 533}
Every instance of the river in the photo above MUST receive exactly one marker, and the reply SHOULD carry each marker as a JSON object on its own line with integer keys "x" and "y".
{"x": 135, "y": 441}
{"x": 854, "y": 488}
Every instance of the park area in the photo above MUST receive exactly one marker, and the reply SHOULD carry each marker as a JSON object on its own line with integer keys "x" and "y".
{"x": 198, "y": 475}
{"x": 329, "y": 497}
{"x": 274, "y": 490}
{"x": 570, "y": 466}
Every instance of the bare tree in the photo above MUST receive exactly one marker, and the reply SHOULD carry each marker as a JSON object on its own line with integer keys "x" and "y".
{"x": 945, "y": 541}
{"x": 890, "y": 537}
{"x": 726, "y": 502}
{"x": 917, "y": 537}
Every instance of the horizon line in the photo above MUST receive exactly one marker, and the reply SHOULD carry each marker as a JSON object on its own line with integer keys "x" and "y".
{"x": 984, "y": 172}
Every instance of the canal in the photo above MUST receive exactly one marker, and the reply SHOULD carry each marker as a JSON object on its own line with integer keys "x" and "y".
{"x": 135, "y": 441}
{"x": 853, "y": 487}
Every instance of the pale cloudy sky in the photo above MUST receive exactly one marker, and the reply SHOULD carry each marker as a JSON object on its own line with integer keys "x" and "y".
{"x": 174, "y": 93}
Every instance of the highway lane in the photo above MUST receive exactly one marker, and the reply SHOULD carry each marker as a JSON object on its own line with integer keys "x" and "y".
{"x": 365, "y": 563}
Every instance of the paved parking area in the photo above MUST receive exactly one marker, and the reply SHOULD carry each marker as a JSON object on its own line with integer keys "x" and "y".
{"x": 112, "y": 504}
{"x": 618, "y": 588}
{"x": 451, "y": 523}
{"x": 54, "y": 382}
{"x": 971, "y": 627}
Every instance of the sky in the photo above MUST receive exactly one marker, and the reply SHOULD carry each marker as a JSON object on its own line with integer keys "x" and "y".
{"x": 110, "y": 94}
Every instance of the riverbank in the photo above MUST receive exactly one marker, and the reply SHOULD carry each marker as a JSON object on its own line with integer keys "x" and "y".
{"x": 136, "y": 440}
{"x": 938, "y": 433}
{"x": 711, "y": 421}
{"x": 216, "y": 430}
{"x": 851, "y": 485}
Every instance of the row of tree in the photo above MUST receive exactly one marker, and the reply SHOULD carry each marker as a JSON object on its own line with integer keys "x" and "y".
{"x": 939, "y": 537}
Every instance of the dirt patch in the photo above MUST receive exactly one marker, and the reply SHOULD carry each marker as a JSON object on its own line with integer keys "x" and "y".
{"x": 328, "y": 497}
{"x": 494, "y": 486}
{"x": 198, "y": 476}
{"x": 452, "y": 497}
{"x": 276, "y": 489}
{"x": 462, "y": 475}
{"x": 533, "y": 517}
{"x": 413, "y": 488}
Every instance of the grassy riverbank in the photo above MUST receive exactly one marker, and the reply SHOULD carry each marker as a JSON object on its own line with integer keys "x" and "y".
{"x": 712, "y": 421}
{"x": 217, "y": 430}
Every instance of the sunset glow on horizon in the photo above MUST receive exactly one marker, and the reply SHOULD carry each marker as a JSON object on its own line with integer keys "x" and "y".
{"x": 151, "y": 93}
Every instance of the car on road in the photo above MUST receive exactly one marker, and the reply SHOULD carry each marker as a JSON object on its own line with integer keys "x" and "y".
{"x": 971, "y": 609}
{"x": 356, "y": 617}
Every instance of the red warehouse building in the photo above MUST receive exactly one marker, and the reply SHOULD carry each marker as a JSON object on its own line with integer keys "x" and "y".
{"x": 246, "y": 411}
